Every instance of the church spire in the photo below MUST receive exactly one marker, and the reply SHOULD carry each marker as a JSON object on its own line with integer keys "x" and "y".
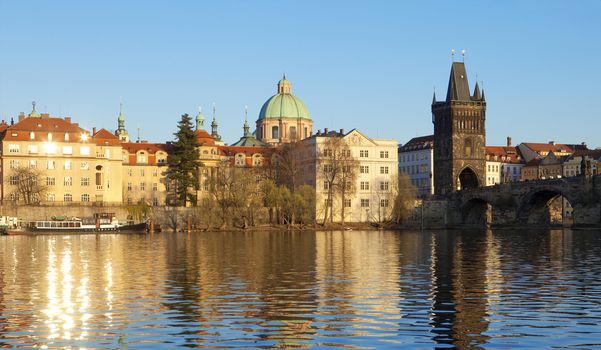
{"x": 246, "y": 128}
{"x": 121, "y": 132}
{"x": 434, "y": 98}
{"x": 200, "y": 119}
{"x": 214, "y": 127}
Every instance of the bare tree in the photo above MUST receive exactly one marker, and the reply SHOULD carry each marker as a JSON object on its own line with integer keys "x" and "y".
{"x": 404, "y": 198}
{"x": 337, "y": 168}
{"x": 30, "y": 184}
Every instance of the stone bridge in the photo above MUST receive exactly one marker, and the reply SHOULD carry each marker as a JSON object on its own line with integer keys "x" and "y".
{"x": 571, "y": 202}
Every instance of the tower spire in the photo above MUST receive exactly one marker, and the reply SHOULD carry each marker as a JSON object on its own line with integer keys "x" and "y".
{"x": 477, "y": 95}
{"x": 246, "y": 128}
{"x": 214, "y": 132}
{"x": 200, "y": 119}
{"x": 121, "y": 132}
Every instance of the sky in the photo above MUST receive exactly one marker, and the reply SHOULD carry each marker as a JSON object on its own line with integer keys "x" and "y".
{"x": 370, "y": 65}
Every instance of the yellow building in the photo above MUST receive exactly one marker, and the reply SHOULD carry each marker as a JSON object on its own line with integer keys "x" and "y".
{"x": 144, "y": 173}
{"x": 73, "y": 165}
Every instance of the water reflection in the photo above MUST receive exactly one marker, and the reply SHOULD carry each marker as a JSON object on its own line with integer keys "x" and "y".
{"x": 339, "y": 289}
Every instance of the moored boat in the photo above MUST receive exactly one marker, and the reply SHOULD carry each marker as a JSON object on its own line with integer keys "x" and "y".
{"x": 101, "y": 222}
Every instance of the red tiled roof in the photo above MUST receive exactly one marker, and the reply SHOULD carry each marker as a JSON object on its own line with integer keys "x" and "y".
{"x": 105, "y": 137}
{"x": 511, "y": 154}
{"x": 204, "y": 138}
{"x": 550, "y": 147}
{"x": 419, "y": 143}
{"x": 58, "y": 127}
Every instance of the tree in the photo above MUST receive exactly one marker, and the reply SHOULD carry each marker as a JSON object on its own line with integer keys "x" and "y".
{"x": 183, "y": 163}
{"x": 338, "y": 171}
{"x": 30, "y": 185}
{"x": 404, "y": 198}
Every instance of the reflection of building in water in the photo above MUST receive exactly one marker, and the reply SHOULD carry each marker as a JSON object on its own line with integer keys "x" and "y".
{"x": 460, "y": 291}
{"x": 354, "y": 270}
{"x": 257, "y": 284}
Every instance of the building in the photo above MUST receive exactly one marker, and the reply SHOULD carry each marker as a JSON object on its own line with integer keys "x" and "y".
{"x": 459, "y": 135}
{"x": 573, "y": 164}
{"x": 548, "y": 167}
{"x": 374, "y": 187}
{"x": 284, "y": 117}
{"x": 144, "y": 173}
{"x": 416, "y": 159}
{"x": 531, "y": 150}
{"x": 503, "y": 164}
{"x": 74, "y": 165}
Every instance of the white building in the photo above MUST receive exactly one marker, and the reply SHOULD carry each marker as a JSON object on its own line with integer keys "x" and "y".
{"x": 503, "y": 164}
{"x": 416, "y": 159}
{"x": 375, "y": 183}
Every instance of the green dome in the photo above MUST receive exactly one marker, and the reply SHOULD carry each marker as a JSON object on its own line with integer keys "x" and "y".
{"x": 284, "y": 104}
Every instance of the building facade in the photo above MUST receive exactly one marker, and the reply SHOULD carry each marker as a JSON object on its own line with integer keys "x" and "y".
{"x": 416, "y": 160}
{"x": 459, "y": 135}
{"x": 375, "y": 182}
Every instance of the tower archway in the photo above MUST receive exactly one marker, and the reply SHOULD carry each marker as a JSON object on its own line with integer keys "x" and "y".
{"x": 468, "y": 179}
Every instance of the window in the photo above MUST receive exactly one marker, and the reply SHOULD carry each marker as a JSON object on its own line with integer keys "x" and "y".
{"x": 129, "y": 201}
{"x": 141, "y": 158}
{"x": 141, "y": 172}
{"x": 67, "y": 149}
{"x": 383, "y": 154}
{"x": 66, "y": 136}
{"x": 51, "y": 164}
{"x": 275, "y": 134}
{"x": 327, "y": 152}
{"x": 364, "y": 153}
{"x": 326, "y": 185}
{"x": 33, "y": 163}
{"x": 364, "y": 185}
{"x": 364, "y": 169}
{"x": 293, "y": 132}
{"x": 384, "y": 203}
{"x": 240, "y": 159}
{"x": 383, "y": 170}
{"x": 155, "y": 172}
{"x": 32, "y": 135}
{"x": 155, "y": 201}
{"x": 384, "y": 185}
{"x": 129, "y": 186}
{"x": 328, "y": 202}
{"x": 50, "y": 197}
{"x": 142, "y": 186}
{"x": 84, "y": 166}
{"x": 130, "y": 172}
{"x": 14, "y": 164}
{"x": 346, "y": 153}
{"x": 155, "y": 186}
{"x": 68, "y": 197}
{"x": 84, "y": 150}
{"x": 107, "y": 153}
{"x": 327, "y": 168}
{"x": 13, "y": 148}
{"x": 50, "y": 181}
{"x": 85, "y": 181}
{"x": 49, "y": 136}
{"x": 364, "y": 203}
{"x": 85, "y": 197}
{"x": 67, "y": 165}
{"x": 32, "y": 149}
{"x": 347, "y": 203}
{"x": 14, "y": 180}
{"x": 68, "y": 181}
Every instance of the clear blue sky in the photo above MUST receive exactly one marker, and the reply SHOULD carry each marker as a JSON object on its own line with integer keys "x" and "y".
{"x": 356, "y": 64}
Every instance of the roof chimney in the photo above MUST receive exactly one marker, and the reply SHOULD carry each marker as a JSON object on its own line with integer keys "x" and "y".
{"x": 21, "y": 116}
{"x": 318, "y": 132}
{"x": 508, "y": 141}
{"x": 68, "y": 119}
{"x": 341, "y": 132}
{"x": 93, "y": 131}
{"x": 325, "y": 131}
{"x": 552, "y": 143}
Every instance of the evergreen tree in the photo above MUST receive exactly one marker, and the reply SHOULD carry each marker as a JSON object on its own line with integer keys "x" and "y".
{"x": 183, "y": 163}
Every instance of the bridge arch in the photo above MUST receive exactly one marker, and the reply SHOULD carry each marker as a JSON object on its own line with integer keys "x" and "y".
{"x": 477, "y": 212}
{"x": 546, "y": 206}
{"x": 467, "y": 178}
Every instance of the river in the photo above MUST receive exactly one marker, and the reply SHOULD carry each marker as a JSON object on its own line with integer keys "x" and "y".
{"x": 365, "y": 289}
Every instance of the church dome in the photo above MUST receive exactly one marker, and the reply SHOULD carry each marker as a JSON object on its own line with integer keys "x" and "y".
{"x": 284, "y": 104}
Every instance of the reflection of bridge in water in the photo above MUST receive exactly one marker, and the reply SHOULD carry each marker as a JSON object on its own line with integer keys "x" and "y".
{"x": 542, "y": 202}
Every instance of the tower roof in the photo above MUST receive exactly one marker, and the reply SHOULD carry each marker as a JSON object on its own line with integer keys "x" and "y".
{"x": 458, "y": 89}
{"x": 284, "y": 104}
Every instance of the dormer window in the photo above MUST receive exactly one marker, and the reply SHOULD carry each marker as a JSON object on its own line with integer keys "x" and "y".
{"x": 66, "y": 136}
{"x": 141, "y": 157}
{"x": 32, "y": 135}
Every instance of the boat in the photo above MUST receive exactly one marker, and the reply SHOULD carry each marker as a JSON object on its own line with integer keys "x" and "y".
{"x": 100, "y": 222}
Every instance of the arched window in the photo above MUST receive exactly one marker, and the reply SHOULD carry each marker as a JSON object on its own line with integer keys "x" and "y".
{"x": 257, "y": 159}
{"x": 141, "y": 157}
{"x": 275, "y": 132}
{"x": 240, "y": 159}
{"x": 467, "y": 147}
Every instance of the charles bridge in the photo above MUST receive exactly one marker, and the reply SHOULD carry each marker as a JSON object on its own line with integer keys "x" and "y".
{"x": 529, "y": 203}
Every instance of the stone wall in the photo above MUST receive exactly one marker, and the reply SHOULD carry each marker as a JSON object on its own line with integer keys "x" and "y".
{"x": 428, "y": 214}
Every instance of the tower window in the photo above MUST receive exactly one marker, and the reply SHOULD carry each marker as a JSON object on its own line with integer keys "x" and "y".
{"x": 275, "y": 132}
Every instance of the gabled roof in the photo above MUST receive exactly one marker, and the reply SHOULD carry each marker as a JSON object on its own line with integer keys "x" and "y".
{"x": 105, "y": 137}
{"x": 504, "y": 154}
{"x": 552, "y": 147}
{"x": 47, "y": 124}
{"x": 133, "y": 147}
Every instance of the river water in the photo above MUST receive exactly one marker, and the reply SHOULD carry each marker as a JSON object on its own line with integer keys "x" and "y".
{"x": 375, "y": 289}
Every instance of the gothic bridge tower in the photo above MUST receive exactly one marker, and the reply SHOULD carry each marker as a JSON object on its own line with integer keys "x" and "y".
{"x": 459, "y": 135}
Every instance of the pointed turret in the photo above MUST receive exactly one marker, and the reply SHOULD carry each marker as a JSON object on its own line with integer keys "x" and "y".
{"x": 477, "y": 95}
{"x": 121, "y": 132}
{"x": 434, "y": 98}
{"x": 214, "y": 132}
{"x": 200, "y": 119}
{"x": 483, "y": 98}
{"x": 246, "y": 128}
{"x": 458, "y": 89}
